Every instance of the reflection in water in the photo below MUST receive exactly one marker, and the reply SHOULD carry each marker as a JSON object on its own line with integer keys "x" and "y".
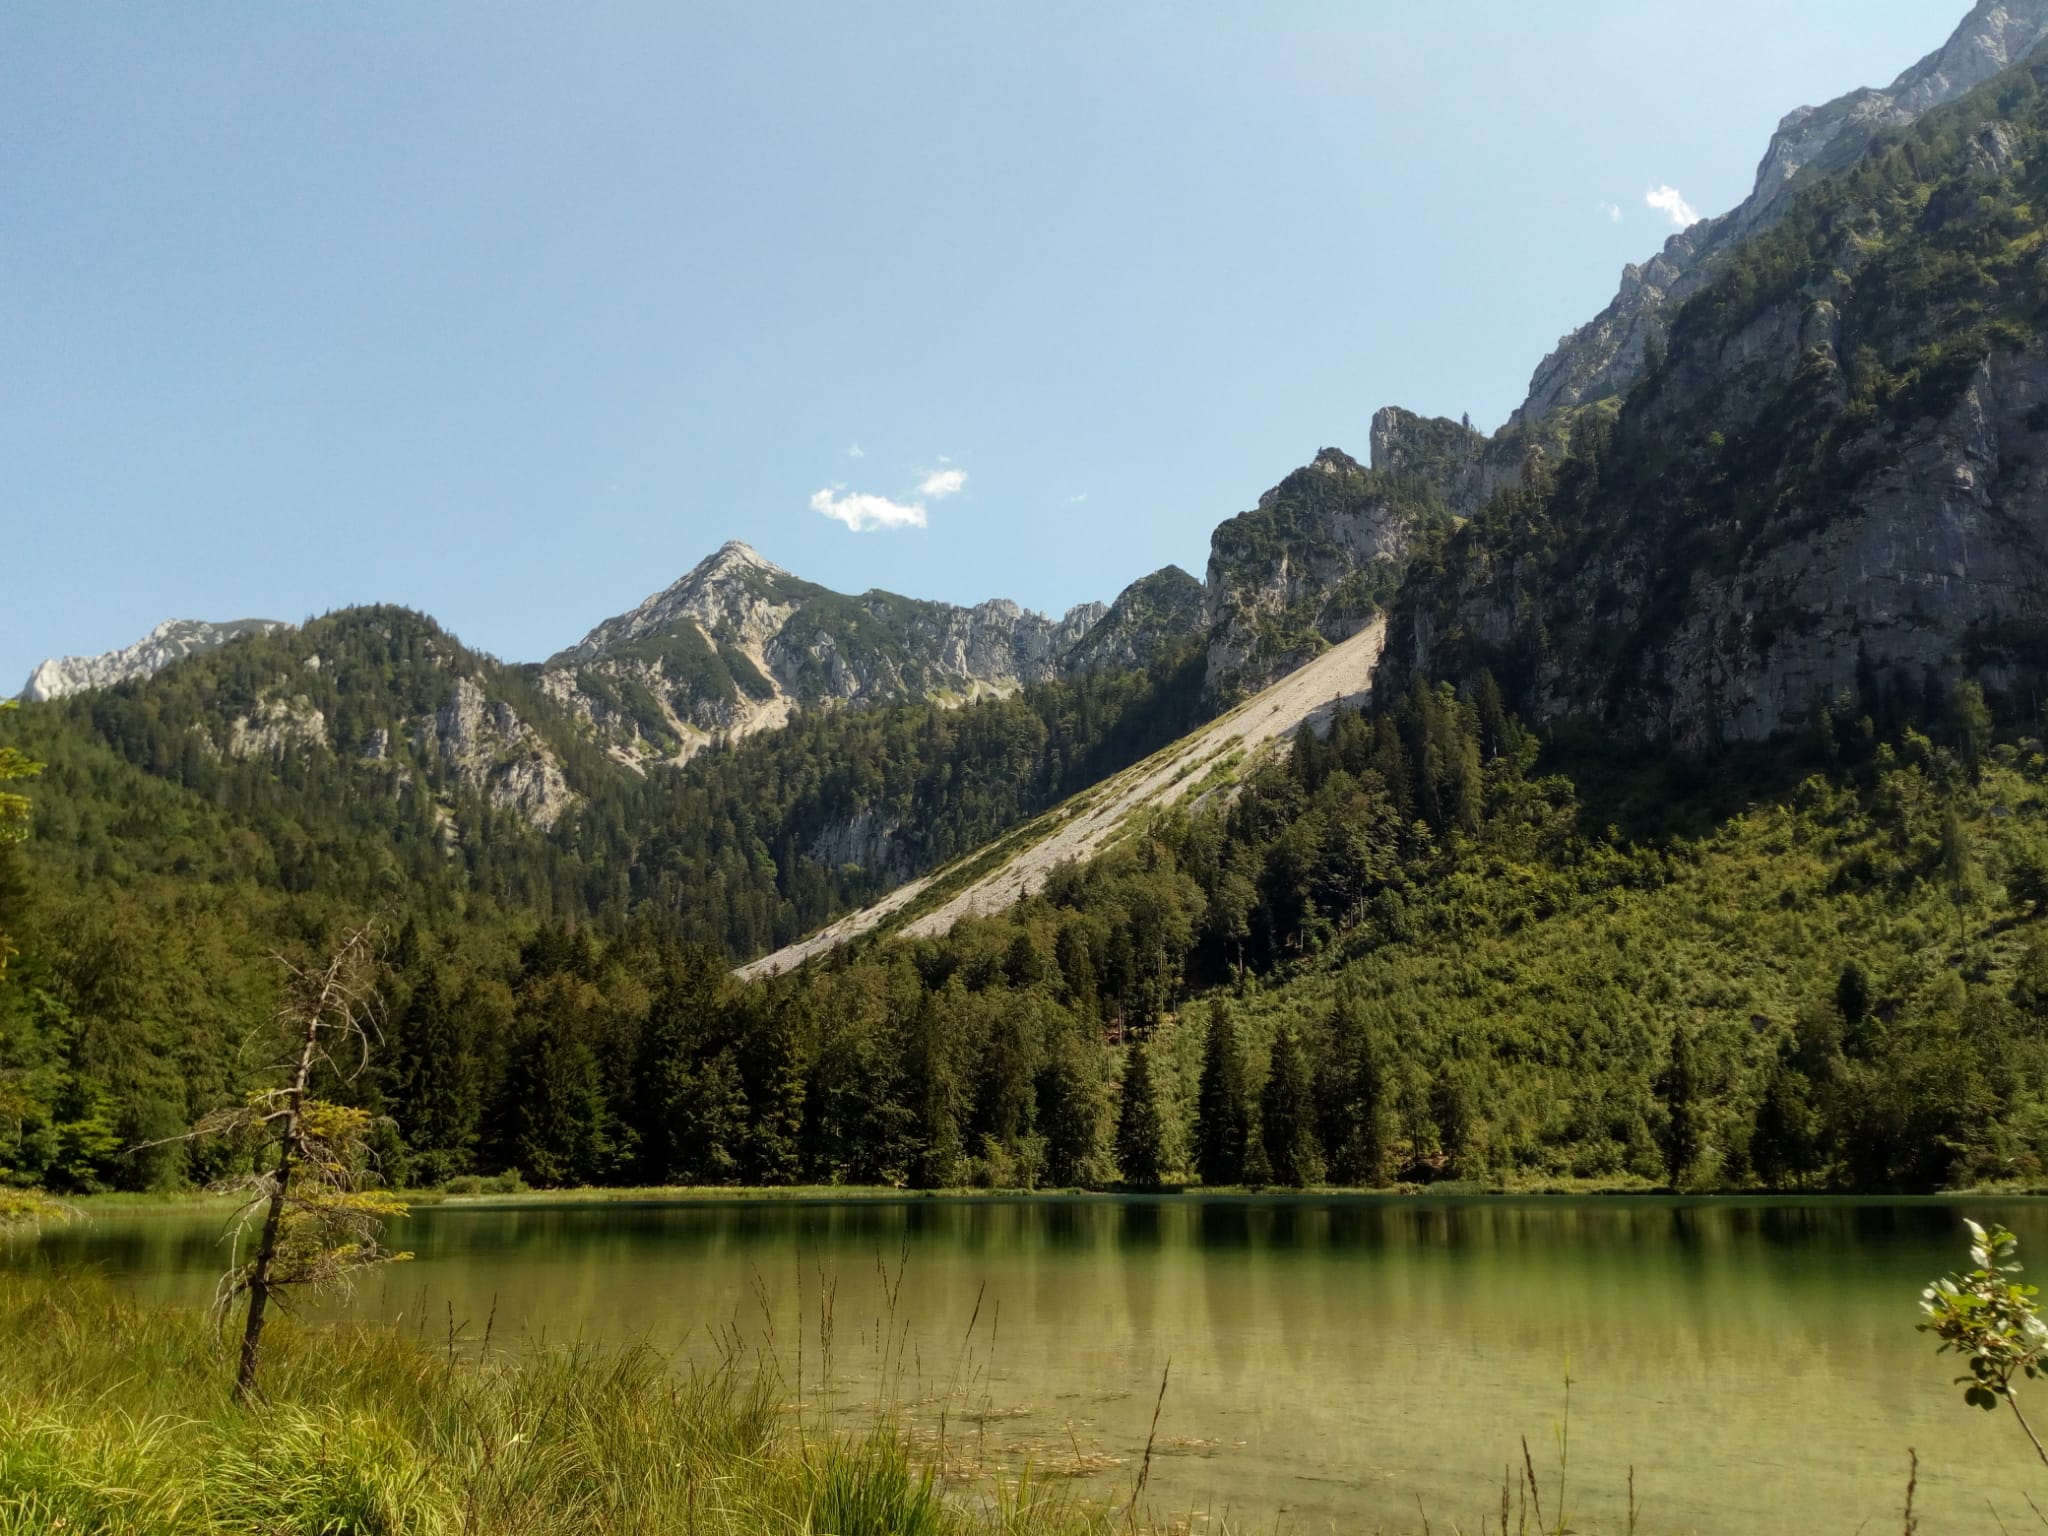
{"x": 1332, "y": 1359}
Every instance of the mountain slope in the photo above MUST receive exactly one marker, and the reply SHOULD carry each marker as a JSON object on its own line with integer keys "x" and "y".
{"x": 1020, "y": 863}
{"x": 1606, "y": 355}
{"x": 1830, "y": 493}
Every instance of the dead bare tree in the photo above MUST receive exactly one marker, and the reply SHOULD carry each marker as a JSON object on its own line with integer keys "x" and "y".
{"x": 311, "y": 1196}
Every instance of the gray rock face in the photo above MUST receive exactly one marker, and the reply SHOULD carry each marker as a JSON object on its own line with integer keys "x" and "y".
{"x": 739, "y": 644}
{"x": 276, "y": 727}
{"x": 1150, "y": 616}
{"x": 487, "y": 748}
{"x": 170, "y": 641}
{"x": 1934, "y": 566}
{"x": 868, "y": 840}
{"x": 1460, "y": 463}
{"x": 1311, "y": 565}
{"x": 1606, "y": 355}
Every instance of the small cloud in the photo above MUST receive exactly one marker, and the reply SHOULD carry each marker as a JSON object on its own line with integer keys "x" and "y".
{"x": 856, "y": 452}
{"x": 1612, "y": 210}
{"x": 1077, "y": 498}
{"x": 941, "y": 483}
{"x": 860, "y": 511}
{"x": 1665, "y": 200}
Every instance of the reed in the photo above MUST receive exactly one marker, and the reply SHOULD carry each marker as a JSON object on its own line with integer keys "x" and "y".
{"x": 118, "y": 1419}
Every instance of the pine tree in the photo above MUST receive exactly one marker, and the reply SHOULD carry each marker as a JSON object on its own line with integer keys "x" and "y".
{"x": 439, "y": 1098}
{"x": 775, "y": 1094}
{"x": 1140, "y": 1131}
{"x": 1286, "y": 1114}
{"x": 1223, "y": 1112}
{"x": 1684, "y": 1135}
{"x": 1069, "y": 1111}
{"x": 1450, "y": 1110}
{"x": 1352, "y": 1098}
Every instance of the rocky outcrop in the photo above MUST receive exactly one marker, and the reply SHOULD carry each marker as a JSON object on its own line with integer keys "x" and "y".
{"x": 1606, "y": 355}
{"x": 869, "y": 840}
{"x": 276, "y": 727}
{"x": 1149, "y": 618}
{"x": 170, "y": 641}
{"x": 482, "y": 745}
{"x": 1320, "y": 555}
{"x": 1461, "y": 464}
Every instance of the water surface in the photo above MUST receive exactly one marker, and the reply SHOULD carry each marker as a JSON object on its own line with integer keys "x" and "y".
{"x": 1329, "y": 1361}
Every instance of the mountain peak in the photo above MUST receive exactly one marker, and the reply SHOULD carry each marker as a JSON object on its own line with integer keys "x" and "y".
{"x": 735, "y": 554}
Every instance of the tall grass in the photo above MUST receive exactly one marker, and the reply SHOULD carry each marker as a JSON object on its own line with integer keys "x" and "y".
{"x": 116, "y": 1419}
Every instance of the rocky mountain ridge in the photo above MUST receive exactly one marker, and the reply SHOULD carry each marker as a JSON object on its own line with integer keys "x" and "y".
{"x": 170, "y": 641}
{"x": 1829, "y": 498}
{"x": 1606, "y": 355}
{"x": 738, "y": 644}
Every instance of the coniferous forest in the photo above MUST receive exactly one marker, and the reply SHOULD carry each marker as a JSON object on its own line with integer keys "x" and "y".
{"x": 1426, "y": 946}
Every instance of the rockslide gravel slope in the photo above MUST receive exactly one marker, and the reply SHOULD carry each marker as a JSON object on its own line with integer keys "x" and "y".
{"x": 1078, "y": 828}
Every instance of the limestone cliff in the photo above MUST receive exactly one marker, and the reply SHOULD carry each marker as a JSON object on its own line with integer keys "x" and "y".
{"x": 1320, "y": 555}
{"x": 1831, "y": 492}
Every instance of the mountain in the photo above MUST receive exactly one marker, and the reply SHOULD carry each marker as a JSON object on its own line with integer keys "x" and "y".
{"x": 1309, "y": 566}
{"x": 170, "y": 641}
{"x": 739, "y": 645}
{"x": 1830, "y": 491}
{"x": 1606, "y": 354}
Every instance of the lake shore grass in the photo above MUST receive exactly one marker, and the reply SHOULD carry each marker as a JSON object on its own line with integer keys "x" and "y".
{"x": 116, "y": 1418}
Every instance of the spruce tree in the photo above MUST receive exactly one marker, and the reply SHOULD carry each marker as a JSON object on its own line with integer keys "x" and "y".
{"x": 1286, "y": 1113}
{"x": 439, "y": 1099}
{"x": 1139, "y": 1128}
{"x": 1223, "y": 1111}
{"x": 775, "y": 1085}
{"x": 1069, "y": 1111}
{"x": 1783, "y": 1143}
{"x": 1450, "y": 1110}
{"x": 1684, "y": 1134}
{"x": 1352, "y": 1098}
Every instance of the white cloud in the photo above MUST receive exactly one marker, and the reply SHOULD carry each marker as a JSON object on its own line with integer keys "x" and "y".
{"x": 860, "y": 511}
{"x": 941, "y": 483}
{"x": 856, "y": 452}
{"x": 1612, "y": 210}
{"x": 1077, "y": 498}
{"x": 1665, "y": 200}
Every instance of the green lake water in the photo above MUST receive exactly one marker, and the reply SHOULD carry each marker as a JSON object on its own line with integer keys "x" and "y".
{"x": 1332, "y": 1361}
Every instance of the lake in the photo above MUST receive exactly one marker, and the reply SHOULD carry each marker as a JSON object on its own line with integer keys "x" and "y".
{"x": 1343, "y": 1360}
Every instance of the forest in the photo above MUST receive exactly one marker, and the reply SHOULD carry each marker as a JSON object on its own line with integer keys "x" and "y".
{"x": 1428, "y": 946}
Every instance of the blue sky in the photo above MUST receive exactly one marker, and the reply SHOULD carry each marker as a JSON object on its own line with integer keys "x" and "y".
{"x": 512, "y": 313}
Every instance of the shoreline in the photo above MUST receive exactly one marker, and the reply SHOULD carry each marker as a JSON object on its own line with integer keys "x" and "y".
{"x": 649, "y": 1196}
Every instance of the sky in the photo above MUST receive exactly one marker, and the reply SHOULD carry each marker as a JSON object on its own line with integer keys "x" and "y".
{"x": 512, "y": 313}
